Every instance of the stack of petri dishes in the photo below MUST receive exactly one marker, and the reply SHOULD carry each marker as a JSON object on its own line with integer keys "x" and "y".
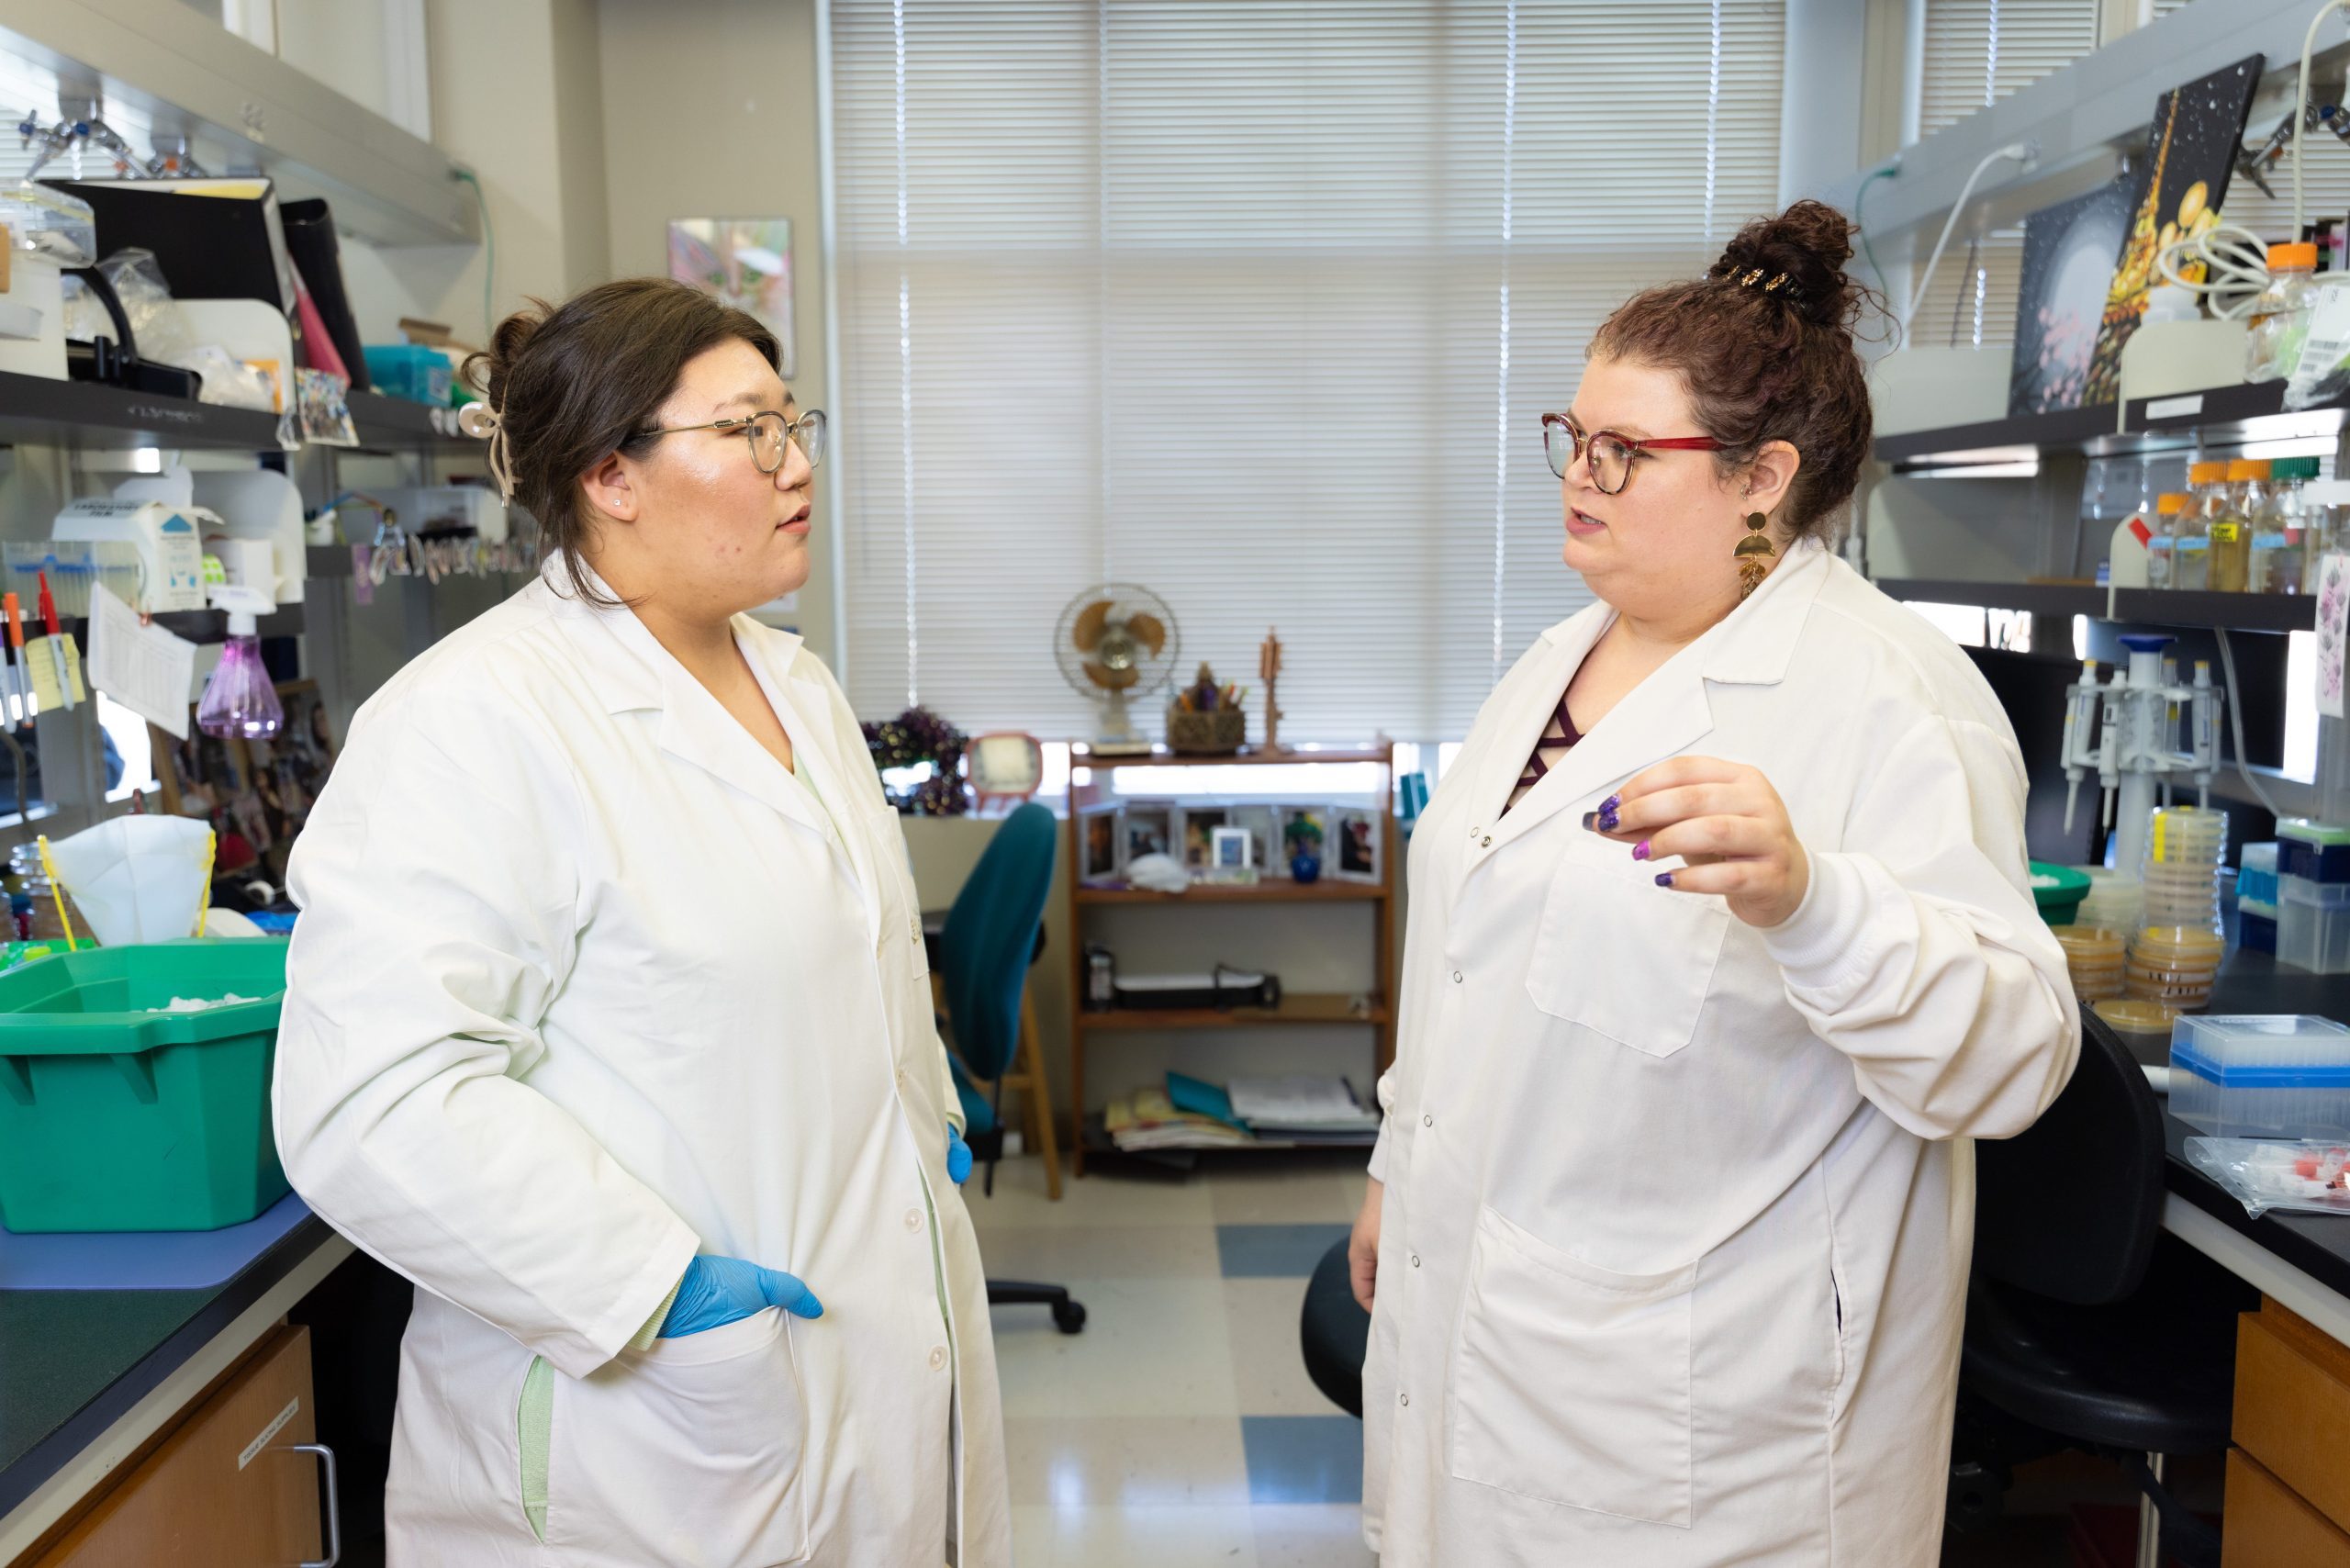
{"x": 2114, "y": 901}
{"x": 2094, "y": 955}
{"x": 2176, "y": 964}
{"x": 2185, "y": 845}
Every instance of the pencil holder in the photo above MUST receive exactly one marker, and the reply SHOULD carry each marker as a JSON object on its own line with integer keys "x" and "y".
{"x": 1218, "y": 733}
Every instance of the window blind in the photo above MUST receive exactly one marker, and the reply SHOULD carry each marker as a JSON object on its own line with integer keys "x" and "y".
{"x": 1257, "y": 305}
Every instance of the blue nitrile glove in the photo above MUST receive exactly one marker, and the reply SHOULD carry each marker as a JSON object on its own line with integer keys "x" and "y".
{"x": 959, "y": 1156}
{"x": 720, "y": 1291}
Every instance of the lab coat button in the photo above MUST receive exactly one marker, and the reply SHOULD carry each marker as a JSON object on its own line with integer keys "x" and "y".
{"x": 1416, "y": 1259}
{"x": 1486, "y": 842}
{"x": 1404, "y": 1398}
{"x": 1427, "y": 1121}
{"x": 913, "y": 1219}
{"x": 1476, "y": 831}
{"x": 937, "y": 1357}
{"x": 1456, "y": 977}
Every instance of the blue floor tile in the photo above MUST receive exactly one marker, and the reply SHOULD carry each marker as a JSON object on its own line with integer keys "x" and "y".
{"x": 1273, "y": 1251}
{"x": 1303, "y": 1459}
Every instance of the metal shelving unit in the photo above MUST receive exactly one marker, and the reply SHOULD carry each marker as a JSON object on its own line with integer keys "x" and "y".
{"x": 2153, "y": 606}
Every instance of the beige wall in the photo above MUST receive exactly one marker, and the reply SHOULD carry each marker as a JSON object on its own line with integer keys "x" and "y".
{"x": 710, "y": 111}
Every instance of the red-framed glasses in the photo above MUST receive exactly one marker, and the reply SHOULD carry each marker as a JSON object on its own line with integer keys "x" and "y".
{"x": 1610, "y": 455}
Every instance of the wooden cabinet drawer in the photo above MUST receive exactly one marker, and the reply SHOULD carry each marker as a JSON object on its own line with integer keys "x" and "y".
{"x": 222, "y": 1491}
{"x": 2269, "y": 1527}
{"x": 2292, "y": 1406}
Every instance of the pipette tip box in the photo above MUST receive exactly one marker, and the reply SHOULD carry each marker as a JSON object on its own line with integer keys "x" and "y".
{"x": 2284, "y": 1075}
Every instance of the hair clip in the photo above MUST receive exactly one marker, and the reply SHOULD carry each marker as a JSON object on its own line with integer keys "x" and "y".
{"x": 484, "y": 423}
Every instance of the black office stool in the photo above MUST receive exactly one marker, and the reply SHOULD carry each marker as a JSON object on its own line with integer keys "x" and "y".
{"x": 2087, "y": 1327}
{"x": 1335, "y": 1332}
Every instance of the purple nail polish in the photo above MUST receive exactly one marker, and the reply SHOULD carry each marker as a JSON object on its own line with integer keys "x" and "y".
{"x": 1640, "y": 850}
{"x": 1610, "y": 806}
{"x": 1664, "y": 878}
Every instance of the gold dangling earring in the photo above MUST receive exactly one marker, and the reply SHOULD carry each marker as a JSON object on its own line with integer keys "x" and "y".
{"x": 1754, "y": 554}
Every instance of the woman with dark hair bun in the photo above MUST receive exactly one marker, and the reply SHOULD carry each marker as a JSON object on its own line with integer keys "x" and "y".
{"x": 606, "y": 1020}
{"x": 1721, "y": 948}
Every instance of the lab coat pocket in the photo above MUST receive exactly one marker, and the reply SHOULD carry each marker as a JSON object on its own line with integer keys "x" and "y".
{"x": 1621, "y": 955}
{"x": 1571, "y": 1382}
{"x": 899, "y": 899}
{"x": 691, "y": 1452}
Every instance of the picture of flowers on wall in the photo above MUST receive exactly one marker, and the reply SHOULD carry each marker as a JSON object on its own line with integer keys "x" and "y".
{"x": 741, "y": 262}
{"x": 2068, "y": 253}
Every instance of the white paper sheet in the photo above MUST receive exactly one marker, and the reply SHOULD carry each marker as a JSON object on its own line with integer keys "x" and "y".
{"x": 146, "y": 669}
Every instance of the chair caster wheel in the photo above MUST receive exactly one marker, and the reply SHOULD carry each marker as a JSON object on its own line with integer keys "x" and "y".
{"x": 1069, "y": 1316}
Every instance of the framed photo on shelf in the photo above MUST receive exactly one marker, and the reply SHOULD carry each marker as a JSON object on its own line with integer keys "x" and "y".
{"x": 1232, "y": 849}
{"x": 1353, "y": 850}
{"x": 1263, "y": 825}
{"x": 1099, "y": 849}
{"x": 1200, "y": 824}
{"x": 1147, "y": 830}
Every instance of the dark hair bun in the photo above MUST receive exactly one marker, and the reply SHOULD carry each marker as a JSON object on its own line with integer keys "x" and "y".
{"x": 1809, "y": 244}
{"x": 487, "y": 371}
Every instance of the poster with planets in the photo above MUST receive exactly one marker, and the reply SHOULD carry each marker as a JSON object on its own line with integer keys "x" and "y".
{"x": 2068, "y": 253}
{"x": 2190, "y": 149}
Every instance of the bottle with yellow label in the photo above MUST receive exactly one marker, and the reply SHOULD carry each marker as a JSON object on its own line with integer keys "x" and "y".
{"x": 2229, "y": 529}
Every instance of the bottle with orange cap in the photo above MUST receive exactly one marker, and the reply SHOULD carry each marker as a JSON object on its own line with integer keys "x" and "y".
{"x": 2191, "y": 560}
{"x": 2279, "y": 318}
{"x": 2170, "y": 511}
{"x": 2229, "y": 529}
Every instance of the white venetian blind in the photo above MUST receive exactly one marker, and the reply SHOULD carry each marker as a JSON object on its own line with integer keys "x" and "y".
{"x": 1257, "y": 305}
{"x": 1978, "y": 51}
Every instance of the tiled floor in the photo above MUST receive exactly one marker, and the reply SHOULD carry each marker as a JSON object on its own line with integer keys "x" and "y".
{"x": 1180, "y": 1429}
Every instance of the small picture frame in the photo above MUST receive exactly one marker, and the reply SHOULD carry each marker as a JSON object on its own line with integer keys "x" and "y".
{"x": 1147, "y": 830}
{"x": 1099, "y": 846}
{"x": 1200, "y": 824}
{"x": 1232, "y": 849}
{"x": 1356, "y": 847}
{"x": 1263, "y": 824}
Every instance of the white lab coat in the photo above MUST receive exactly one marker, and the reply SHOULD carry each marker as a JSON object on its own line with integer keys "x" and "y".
{"x": 585, "y": 983}
{"x": 1677, "y": 1218}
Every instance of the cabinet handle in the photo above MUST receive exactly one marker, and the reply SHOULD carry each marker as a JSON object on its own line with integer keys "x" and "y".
{"x": 334, "y": 1503}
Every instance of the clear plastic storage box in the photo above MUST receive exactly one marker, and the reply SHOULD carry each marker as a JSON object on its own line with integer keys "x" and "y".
{"x": 2279, "y": 1076}
{"x": 2312, "y": 937}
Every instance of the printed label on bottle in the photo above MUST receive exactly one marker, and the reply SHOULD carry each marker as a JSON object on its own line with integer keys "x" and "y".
{"x": 2226, "y": 533}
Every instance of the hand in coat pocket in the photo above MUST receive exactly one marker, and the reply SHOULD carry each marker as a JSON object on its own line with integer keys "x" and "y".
{"x": 716, "y": 1292}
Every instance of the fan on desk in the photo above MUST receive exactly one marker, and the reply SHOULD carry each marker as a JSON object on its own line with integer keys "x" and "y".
{"x": 1116, "y": 642}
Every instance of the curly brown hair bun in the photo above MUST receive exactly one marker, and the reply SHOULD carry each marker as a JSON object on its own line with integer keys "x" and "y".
{"x": 1763, "y": 344}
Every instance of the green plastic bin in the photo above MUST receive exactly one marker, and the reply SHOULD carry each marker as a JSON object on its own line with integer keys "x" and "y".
{"x": 2058, "y": 890}
{"x": 114, "y": 1116}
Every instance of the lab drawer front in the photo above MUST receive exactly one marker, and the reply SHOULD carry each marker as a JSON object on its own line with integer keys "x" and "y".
{"x": 2292, "y": 1388}
{"x": 2268, "y": 1527}
{"x": 222, "y": 1491}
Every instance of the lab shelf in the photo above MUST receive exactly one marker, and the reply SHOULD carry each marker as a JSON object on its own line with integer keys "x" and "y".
{"x": 1283, "y": 891}
{"x": 401, "y": 424}
{"x": 2216, "y": 416}
{"x": 1998, "y": 441}
{"x": 208, "y": 625}
{"x": 2148, "y": 607}
{"x": 87, "y": 416}
{"x": 1304, "y": 1008}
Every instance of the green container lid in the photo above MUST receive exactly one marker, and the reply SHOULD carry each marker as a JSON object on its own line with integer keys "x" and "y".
{"x": 2292, "y": 468}
{"x": 2310, "y": 832}
{"x": 117, "y": 1116}
{"x": 2058, "y": 890}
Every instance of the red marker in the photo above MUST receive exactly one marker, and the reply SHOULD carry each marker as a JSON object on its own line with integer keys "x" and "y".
{"x": 56, "y": 648}
{"x": 19, "y": 677}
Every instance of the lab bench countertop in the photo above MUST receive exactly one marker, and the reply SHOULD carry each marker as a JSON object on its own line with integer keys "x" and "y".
{"x": 74, "y": 1363}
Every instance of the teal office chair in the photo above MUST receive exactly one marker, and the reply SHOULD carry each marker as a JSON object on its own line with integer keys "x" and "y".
{"x": 992, "y": 936}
